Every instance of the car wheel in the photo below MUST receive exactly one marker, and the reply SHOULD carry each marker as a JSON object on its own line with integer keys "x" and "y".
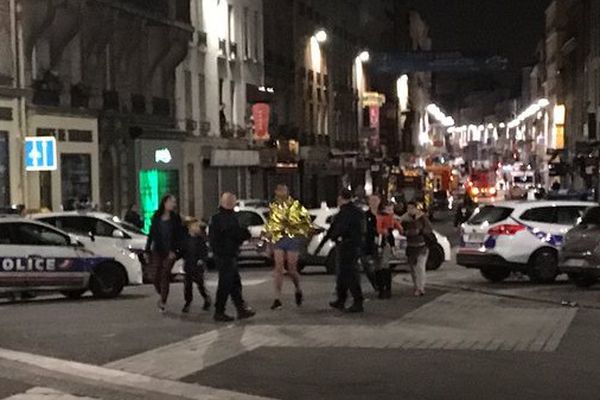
{"x": 73, "y": 294}
{"x": 583, "y": 280}
{"x": 107, "y": 281}
{"x": 543, "y": 266}
{"x": 436, "y": 257}
{"x": 331, "y": 262}
{"x": 495, "y": 274}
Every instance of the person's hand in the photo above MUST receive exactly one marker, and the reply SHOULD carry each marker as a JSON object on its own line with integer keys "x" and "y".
{"x": 146, "y": 257}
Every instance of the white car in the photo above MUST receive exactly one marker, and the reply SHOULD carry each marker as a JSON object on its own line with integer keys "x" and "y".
{"x": 518, "y": 236}
{"x": 322, "y": 219}
{"x": 37, "y": 257}
{"x": 253, "y": 203}
{"x": 103, "y": 231}
{"x": 255, "y": 249}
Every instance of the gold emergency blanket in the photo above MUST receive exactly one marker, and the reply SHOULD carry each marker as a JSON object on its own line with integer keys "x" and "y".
{"x": 287, "y": 219}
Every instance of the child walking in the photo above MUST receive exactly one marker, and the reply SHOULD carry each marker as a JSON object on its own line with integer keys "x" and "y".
{"x": 194, "y": 255}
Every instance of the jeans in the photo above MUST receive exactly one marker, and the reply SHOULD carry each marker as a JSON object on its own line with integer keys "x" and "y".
{"x": 417, "y": 261}
{"x": 348, "y": 277}
{"x": 230, "y": 284}
{"x": 163, "y": 264}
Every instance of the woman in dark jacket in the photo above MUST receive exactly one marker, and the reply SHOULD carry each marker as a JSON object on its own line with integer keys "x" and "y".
{"x": 164, "y": 244}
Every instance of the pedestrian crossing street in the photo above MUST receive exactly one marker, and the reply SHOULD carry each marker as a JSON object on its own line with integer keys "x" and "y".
{"x": 454, "y": 321}
{"x": 41, "y": 393}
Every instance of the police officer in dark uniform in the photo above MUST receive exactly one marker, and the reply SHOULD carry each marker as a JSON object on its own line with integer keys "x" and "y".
{"x": 347, "y": 230}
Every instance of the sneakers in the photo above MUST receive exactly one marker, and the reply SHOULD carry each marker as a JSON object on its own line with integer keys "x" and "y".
{"x": 186, "y": 308}
{"x": 299, "y": 298}
{"x": 276, "y": 305}
{"x": 162, "y": 307}
{"x": 355, "y": 308}
{"x": 222, "y": 317}
{"x": 245, "y": 313}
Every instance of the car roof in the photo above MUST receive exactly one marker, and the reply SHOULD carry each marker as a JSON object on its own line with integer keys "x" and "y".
{"x": 95, "y": 214}
{"x": 525, "y": 205}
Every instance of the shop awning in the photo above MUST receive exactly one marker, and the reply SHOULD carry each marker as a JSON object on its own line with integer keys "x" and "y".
{"x": 234, "y": 158}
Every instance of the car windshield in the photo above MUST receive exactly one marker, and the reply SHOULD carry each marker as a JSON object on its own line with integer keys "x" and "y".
{"x": 592, "y": 217}
{"x": 130, "y": 228}
{"x": 490, "y": 215}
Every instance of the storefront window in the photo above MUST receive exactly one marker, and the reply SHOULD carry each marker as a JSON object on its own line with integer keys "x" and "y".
{"x": 76, "y": 179}
{"x": 154, "y": 184}
{"x": 4, "y": 172}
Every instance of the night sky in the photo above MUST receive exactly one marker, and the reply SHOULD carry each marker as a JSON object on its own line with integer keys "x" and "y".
{"x": 511, "y": 28}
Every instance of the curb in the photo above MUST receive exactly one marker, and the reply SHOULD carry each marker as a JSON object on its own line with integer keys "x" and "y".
{"x": 510, "y": 296}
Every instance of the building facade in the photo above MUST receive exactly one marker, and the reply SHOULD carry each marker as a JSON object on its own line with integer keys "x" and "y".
{"x": 217, "y": 84}
{"x": 315, "y": 80}
{"x": 97, "y": 76}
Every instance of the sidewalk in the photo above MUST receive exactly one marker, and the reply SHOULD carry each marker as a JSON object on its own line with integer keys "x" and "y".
{"x": 562, "y": 292}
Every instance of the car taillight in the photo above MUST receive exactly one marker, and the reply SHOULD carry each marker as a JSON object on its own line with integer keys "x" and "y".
{"x": 507, "y": 229}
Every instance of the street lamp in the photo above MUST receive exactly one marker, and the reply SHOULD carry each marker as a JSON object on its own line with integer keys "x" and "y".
{"x": 364, "y": 56}
{"x": 321, "y": 36}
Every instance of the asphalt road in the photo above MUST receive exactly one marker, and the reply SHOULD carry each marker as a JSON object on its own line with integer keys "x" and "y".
{"x": 465, "y": 340}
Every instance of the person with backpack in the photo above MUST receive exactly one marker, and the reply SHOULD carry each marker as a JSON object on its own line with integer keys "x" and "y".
{"x": 419, "y": 234}
{"x": 195, "y": 253}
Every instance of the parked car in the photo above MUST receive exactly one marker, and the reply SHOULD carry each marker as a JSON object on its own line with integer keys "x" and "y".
{"x": 252, "y": 203}
{"x": 255, "y": 250}
{"x": 37, "y": 257}
{"x": 580, "y": 255}
{"x": 322, "y": 219}
{"x": 101, "y": 229}
{"x": 518, "y": 236}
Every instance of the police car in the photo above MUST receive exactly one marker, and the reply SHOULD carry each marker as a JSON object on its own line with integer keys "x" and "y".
{"x": 518, "y": 236}
{"x": 38, "y": 257}
{"x": 102, "y": 230}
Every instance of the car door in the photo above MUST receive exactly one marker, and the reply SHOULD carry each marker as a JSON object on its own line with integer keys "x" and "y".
{"x": 10, "y": 251}
{"x": 48, "y": 258}
{"x": 541, "y": 222}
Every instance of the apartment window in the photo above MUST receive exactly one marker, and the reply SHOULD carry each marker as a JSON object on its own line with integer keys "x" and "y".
{"x": 256, "y": 36}
{"x": 232, "y": 101}
{"x": 191, "y": 192}
{"x": 188, "y": 94}
{"x": 231, "y": 22}
{"x": 202, "y": 96}
{"x": 247, "y": 34}
{"x": 221, "y": 83}
{"x": 4, "y": 171}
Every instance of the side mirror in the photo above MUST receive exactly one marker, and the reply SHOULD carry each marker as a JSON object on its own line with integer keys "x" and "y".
{"x": 118, "y": 234}
{"x": 91, "y": 236}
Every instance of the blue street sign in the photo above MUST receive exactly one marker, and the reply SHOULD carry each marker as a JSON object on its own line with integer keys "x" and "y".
{"x": 40, "y": 153}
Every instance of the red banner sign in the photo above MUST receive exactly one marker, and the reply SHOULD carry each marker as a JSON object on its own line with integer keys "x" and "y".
{"x": 261, "y": 113}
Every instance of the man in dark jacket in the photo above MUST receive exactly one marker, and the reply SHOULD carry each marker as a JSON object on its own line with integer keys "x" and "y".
{"x": 347, "y": 230}
{"x": 225, "y": 237}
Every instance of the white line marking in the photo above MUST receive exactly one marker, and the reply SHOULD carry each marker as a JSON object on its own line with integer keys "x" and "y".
{"x": 125, "y": 379}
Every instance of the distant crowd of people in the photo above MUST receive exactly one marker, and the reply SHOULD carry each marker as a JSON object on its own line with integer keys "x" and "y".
{"x": 361, "y": 238}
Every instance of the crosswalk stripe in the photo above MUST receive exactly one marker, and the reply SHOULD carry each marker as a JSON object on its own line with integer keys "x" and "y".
{"x": 40, "y": 393}
{"x": 124, "y": 379}
{"x": 455, "y": 321}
